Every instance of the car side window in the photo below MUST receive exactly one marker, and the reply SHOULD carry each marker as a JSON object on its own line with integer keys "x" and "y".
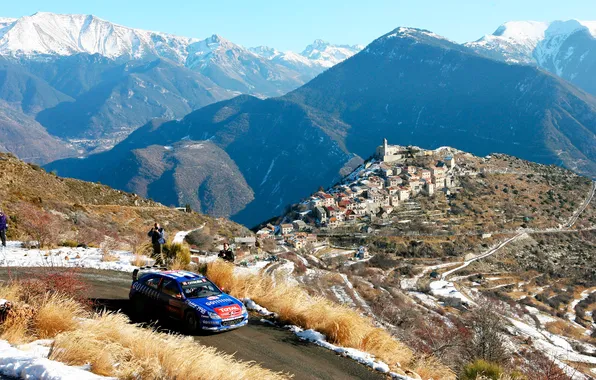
{"x": 170, "y": 287}
{"x": 153, "y": 283}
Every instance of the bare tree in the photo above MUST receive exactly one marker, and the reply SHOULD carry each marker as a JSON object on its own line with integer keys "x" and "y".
{"x": 486, "y": 341}
{"x": 39, "y": 224}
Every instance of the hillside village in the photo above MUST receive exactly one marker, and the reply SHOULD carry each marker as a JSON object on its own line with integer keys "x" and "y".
{"x": 371, "y": 193}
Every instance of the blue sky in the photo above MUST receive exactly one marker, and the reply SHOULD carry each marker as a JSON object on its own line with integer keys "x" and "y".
{"x": 291, "y": 25}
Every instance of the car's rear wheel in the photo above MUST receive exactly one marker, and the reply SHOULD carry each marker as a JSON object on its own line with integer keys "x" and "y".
{"x": 138, "y": 308}
{"x": 191, "y": 322}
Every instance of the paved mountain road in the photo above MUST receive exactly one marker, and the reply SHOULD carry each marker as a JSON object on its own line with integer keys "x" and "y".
{"x": 272, "y": 347}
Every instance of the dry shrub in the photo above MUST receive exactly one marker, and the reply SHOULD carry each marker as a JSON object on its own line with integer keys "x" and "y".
{"x": 177, "y": 251}
{"x": 429, "y": 367}
{"x": 50, "y": 314}
{"x": 15, "y": 328}
{"x": 565, "y": 329}
{"x": 140, "y": 260}
{"x": 56, "y": 314}
{"x": 107, "y": 247}
{"x": 39, "y": 224}
{"x": 64, "y": 281}
{"x": 180, "y": 264}
{"x": 341, "y": 325}
{"x": 114, "y": 347}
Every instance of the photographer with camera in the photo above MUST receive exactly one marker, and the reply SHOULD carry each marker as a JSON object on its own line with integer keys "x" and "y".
{"x": 158, "y": 238}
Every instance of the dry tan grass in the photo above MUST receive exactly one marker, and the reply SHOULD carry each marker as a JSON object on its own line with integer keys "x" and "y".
{"x": 107, "y": 256}
{"x": 55, "y": 315}
{"x": 114, "y": 347}
{"x": 140, "y": 260}
{"x": 565, "y": 328}
{"x": 341, "y": 325}
{"x": 15, "y": 328}
{"x": 51, "y": 315}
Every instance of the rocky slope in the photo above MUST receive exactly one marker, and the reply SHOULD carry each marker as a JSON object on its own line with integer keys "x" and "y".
{"x": 86, "y": 212}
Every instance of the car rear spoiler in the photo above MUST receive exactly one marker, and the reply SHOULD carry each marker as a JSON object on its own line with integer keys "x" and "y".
{"x": 148, "y": 268}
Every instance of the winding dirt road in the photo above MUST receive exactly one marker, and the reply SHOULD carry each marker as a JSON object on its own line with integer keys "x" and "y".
{"x": 272, "y": 347}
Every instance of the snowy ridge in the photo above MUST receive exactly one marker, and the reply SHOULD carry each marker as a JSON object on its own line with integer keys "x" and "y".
{"x": 530, "y": 41}
{"x": 403, "y": 32}
{"x": 319, "y": 53}
{"x": 325, "y": 54}
{"x": 55, "y": 34}
{"x": 50, "y": 34}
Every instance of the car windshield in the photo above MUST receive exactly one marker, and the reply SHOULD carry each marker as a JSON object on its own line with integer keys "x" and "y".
{"x": 199, "y": 288}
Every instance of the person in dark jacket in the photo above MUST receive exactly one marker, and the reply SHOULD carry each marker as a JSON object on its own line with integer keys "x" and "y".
{"x": 158, "y": 238}
{"x": 226, "y": 253}
{"x": 3, "y": 227}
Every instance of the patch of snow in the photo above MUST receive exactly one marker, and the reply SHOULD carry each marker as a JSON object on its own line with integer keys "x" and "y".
{"x": 40, "y": 348}
{"x": 553, "y": 345}
{"x": 542, "y": 317}
{"x": 21, "y": 364}
{"x": 446, "y": 289}
{"x": 16, "y": 256}
{"x": 253, "y": 306}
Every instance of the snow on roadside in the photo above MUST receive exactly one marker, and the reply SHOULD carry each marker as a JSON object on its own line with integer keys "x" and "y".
{"x": 354, "y": 354}
{"x": 16, "y": 256}
{"x": 253, "y": 306}
{"x": 21, "y": 364}
{"x": 446, "y": 289}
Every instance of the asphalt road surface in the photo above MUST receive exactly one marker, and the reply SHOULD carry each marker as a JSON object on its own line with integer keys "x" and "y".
{"x": 272, "y": 347}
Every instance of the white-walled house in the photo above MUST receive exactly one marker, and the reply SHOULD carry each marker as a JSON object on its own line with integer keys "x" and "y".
{"x": 286, "y": 229}
{"x": 403, "y": 193}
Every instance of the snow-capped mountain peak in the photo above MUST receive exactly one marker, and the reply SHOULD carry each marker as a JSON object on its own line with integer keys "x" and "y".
{"x": 327, "y": 55}
{"x": 566, "y": 48}
{"x": 518, "y": 41}
{"x": 318, "y": 54}
{"x": 265, "y": 52}
{"x": 66, "y": 34}
{"x": 521, "y": 30}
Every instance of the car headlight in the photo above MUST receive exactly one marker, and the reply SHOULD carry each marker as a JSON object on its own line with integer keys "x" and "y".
{"x": 214, "y": 315}
{"x": 244, "y": 309}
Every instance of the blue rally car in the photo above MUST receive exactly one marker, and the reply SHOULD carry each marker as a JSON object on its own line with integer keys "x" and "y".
{"x": 185, "y": 296}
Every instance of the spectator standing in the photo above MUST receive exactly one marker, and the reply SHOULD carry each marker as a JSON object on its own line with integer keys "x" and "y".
{"x": 226, "y": 253}
{"x": 158, "y": 238}
{"x": 3, "y": 228}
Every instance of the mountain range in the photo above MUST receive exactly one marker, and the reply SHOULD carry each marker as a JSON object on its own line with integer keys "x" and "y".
{"x": 410, "y": 86}
{"x": 90, "y": 82}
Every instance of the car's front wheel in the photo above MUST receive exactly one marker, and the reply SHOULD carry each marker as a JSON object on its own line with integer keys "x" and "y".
{"x": 191, "y": 322}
